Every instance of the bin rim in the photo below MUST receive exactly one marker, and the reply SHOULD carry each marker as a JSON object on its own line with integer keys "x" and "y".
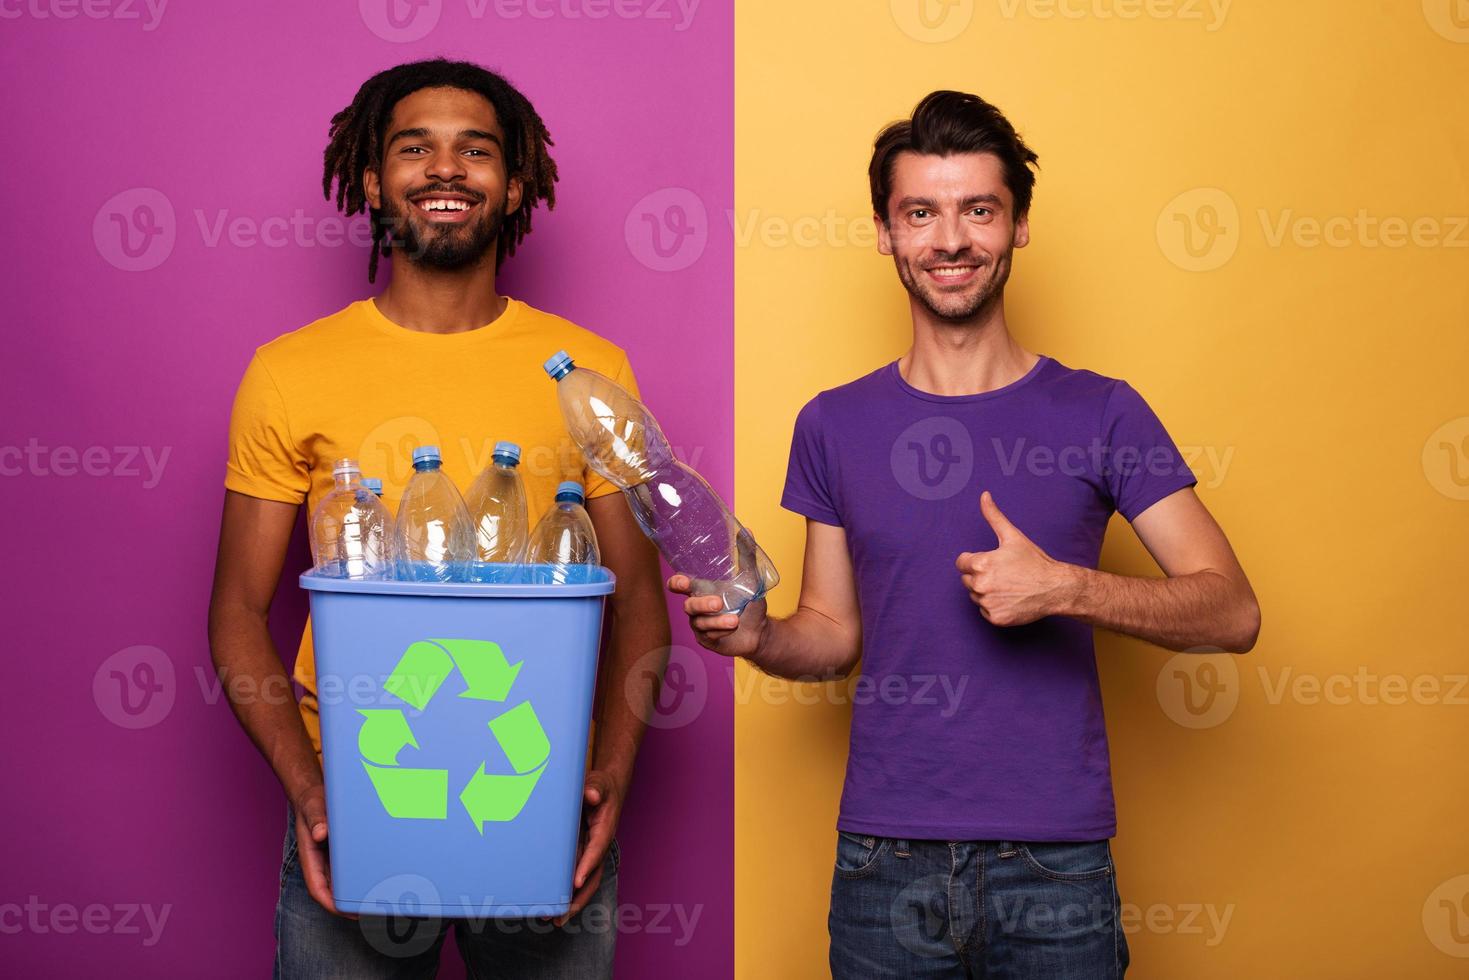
{"x": 312, "y": 582}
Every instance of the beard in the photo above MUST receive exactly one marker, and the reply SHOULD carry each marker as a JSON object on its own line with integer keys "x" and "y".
{"x": 955, "y": 306}
{"x": 446, "y": 247}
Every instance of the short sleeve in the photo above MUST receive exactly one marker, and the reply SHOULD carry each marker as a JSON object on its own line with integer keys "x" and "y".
{"x": 264, "y": 461}
{"x": 808, "y": 489}
{"x": 596, "y": 484}
{"x": 1142, "y": 465}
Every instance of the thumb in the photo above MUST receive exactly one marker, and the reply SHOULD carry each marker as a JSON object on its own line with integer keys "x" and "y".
{"x": 314, "y": 815}
{"x": 1004, "y": 530}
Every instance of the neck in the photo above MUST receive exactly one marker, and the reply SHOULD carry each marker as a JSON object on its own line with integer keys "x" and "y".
{"x": 967, "y": 357}
{"x": 442, "y": 301}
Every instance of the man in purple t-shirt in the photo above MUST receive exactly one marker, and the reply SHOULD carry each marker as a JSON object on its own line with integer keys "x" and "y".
{"x": 956, "y": 501}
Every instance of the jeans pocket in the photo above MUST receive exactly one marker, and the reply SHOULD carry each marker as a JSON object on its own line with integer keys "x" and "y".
{"x": 857, "y": 855}
{"x": 1068, "y": 860}
{"x": 289, "y": 855}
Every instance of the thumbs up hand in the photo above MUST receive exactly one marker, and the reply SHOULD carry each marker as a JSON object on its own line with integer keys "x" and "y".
{"x": 1017, "y": 582}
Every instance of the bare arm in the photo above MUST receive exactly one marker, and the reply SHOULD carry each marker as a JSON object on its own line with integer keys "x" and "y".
{"x": 253, "y": 535}
{"x": 630, "y": 673}
{"x": 821, "y": 640}
{"x": 1205, "y": 600}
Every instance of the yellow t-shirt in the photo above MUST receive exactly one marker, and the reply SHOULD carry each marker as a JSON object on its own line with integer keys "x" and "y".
{"x": 356, "y": 384}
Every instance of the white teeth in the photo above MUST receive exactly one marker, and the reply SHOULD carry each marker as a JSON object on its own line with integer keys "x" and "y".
{"x": 441, "y": 204}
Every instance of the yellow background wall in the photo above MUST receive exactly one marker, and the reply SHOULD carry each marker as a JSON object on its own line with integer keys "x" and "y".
{"x": 1307, "y": 818}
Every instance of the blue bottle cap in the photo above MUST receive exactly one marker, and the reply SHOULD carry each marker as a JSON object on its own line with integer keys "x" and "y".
{"x": 507, "y": 451}
{"x": 559, "y": 366}
{"x": 374, "y": 484}
{"x": 571, "y": 490}
{"x": 425, "y": 454}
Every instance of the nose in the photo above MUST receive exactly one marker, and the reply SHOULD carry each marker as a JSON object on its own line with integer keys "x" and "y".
{"x": 444, "y": 166}
{"x": 949, "y": 233}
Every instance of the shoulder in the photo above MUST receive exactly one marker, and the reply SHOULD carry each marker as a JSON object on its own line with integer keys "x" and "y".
{"x": 323, "y": 333}
{"x": 837, "y": 403}
{"x": 585, "y": 347}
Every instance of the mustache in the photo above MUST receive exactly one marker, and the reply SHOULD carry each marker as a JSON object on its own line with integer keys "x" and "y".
{"x": 953, "y": 258}
{"x": 444, "y": 189}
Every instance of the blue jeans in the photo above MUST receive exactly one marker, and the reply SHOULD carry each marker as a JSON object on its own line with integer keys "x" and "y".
{"x": 1001, "y": 910}
{"x": 314, "y": 944}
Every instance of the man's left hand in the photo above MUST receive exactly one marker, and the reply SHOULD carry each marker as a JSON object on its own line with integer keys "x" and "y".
{"x": 603, "y": 807}
{"x": 1017, "y": 582}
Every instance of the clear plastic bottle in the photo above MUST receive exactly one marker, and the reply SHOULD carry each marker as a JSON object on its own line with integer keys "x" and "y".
{"x": 496, "y": 502}
{"x": 432, "y": 537}
{"x": 350, "y": 529}
{"x": 563, "y": 546}
{"x": 676, "y": 508}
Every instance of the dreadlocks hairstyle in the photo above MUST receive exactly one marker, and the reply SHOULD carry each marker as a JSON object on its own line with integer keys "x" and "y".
{"x": 357, "y": 133}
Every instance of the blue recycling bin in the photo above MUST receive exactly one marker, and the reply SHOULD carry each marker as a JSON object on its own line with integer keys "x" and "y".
{"x": 454, "y": 731}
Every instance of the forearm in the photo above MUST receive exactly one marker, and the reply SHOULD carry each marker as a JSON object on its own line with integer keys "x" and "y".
{"x": 259, "y": 691}
{"x": 807, "y": 646}
{"x": 632, "y": 672}
{"x": 1201, "y": 609}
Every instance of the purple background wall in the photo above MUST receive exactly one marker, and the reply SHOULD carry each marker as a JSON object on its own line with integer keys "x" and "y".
{"x": 131, "y": 791}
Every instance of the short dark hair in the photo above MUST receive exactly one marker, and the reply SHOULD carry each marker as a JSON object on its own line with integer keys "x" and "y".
{"x": 945, "y": 123}
{"x": 357, "y": 133}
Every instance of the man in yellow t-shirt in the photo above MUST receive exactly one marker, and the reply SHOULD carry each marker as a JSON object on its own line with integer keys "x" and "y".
{"x": 450, "y": 161}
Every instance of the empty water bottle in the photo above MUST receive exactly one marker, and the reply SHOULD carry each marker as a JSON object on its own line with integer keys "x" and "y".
{"x": 563, "y": 546}
{"x": 676, "y": 508}
{"x": 433, "y": 539}
{"x": 496, "y": 502}
{"x": 350, "y": 528}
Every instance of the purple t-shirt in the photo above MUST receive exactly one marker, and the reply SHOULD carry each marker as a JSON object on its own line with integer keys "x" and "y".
{"x": 962, "y": 730}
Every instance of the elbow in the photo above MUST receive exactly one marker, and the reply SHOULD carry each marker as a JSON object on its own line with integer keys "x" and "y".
{"x": 1246, "y": 628}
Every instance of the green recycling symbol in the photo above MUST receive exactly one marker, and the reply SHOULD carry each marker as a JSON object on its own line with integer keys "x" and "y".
{"x": 423, "y": 794}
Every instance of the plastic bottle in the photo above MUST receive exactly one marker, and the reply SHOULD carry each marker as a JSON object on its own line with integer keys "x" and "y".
{"x": 350, "y": 529}
{"x": 563, "y": 546}
{"x": 496, "y": 502}
{"x": 432, "y": 537}
{"x": 676, "y": 508}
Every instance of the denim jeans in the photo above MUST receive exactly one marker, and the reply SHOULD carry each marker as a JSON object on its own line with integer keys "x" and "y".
{"x": 1001, "y": 910}
{"x": 314, "y": 944}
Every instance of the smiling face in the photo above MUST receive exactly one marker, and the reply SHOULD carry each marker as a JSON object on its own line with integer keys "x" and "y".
{"x": 951, "y": 230}
{"x": 442, "y": 186}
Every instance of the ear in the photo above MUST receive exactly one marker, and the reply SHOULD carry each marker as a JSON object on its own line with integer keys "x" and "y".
{"x": 1022, "y": 231}
{"x": 372, "y": 188}
{"x": 884, "y": 237}
{"x": 513, "y": 193}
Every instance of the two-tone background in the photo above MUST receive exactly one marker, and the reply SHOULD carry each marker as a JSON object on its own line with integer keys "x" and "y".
{"x": 1257, "y": 213}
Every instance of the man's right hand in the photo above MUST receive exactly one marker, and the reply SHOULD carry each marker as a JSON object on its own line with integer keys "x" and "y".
{"x": 727, "y": 634}
{"x": 311, "y": 849}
